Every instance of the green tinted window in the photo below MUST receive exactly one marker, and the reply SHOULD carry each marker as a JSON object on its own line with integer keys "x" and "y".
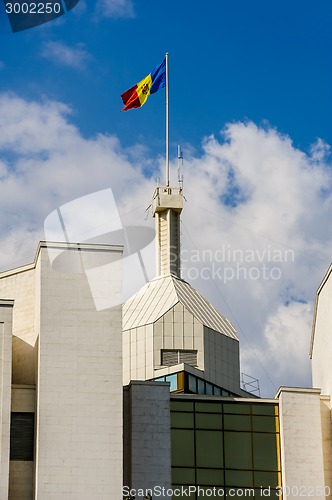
{"x": 238, "y": 493}
{"x": 264, "y": 409}
{"x": 185, "y": 496}
{"x": 261, "y": 424}
{"x": 239, "y": 478}
{"x": 237, "y": 422}
{"x": 183, "y": 450}
{"x": 182, "y": 475}
{"x": 182, "y": 406}
{"x": 265, "y": 451}
{"x": 237, "y": 450}
{"x": 182, "y": 420}
{"x": 208, "y": 421}
{"x": 243, "y": 409}
{"x": 266, "y": 479}
{"x": 205, "y": 492}
{"x": 210, "y": 477}
{"x": 208, "y": 407}
{"x": 209, "y": 452}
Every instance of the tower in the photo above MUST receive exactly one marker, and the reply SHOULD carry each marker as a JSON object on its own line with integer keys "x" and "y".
{"x": 170, "y": 332}
{"x": 167, "y": 208}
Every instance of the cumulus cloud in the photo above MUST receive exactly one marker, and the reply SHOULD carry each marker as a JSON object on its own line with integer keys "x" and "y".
{"x": 74, "y": 57}
{"x": 262, "y": 209}
{"x": 115, "y": 8}
{"x": 46, "y": 163}
{"x": 255, "y": 228}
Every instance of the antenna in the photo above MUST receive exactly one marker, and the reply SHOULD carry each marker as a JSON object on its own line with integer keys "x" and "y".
{"x": 180, "y": 162}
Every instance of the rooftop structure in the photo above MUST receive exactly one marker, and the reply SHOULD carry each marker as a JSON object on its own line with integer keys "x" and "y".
{"x": 99, "y": 401}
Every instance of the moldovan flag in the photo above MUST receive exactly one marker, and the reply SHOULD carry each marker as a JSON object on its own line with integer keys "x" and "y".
{"x": 136, "y": 96}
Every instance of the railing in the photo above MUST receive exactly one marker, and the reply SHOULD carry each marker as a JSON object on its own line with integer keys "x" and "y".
{"x": 159, "y": 190}
{"x": 250, "y": 384}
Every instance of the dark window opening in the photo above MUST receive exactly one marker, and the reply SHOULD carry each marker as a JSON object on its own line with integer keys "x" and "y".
{"x": 22, "y": 436}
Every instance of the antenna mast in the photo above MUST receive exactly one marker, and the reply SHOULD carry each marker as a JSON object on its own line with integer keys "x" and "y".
{"x": 167, "y": 126}
{"x": 180, "y": 162}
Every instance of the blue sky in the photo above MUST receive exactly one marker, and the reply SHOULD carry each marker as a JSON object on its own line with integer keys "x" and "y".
{"x": 250, "y": 103}
{"x": 229, "y": 61}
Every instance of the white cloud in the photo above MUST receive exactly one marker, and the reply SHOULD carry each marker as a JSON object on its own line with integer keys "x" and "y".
{"x": 279, "y": 219}
{"x": 286, "y": 336}
{"x": 253, "y": 200}
{"x": 115, "y": 8}
{"x": 74, "y": 57}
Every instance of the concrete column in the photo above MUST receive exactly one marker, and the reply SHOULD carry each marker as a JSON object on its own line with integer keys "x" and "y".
{"x": 6, "y": 312}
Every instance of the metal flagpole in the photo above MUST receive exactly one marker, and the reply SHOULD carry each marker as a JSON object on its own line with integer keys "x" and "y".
{"x": 167, "y": 125}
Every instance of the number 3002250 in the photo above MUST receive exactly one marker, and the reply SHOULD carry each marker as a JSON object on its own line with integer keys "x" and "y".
{"x": 33, "y": 8}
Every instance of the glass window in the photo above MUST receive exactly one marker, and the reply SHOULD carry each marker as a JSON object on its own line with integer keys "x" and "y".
{"x": 186, "y": 494}
{"x": 208, "y": 407}
{"x": 264, "y": 409}
{"x": 209, "y": 452}
{"x": 208, "y": 421}
{"x": 206, "y": 492}
{"x": 266, "y": 479}
{"x": 181, "y": 475}
{"x": 240, "y": 494}
{"x": 173, "y": 379}
{"x": 210, "y": 477}
{"x": 265, "y": 451}
{"x": 216, "y": 391}
{"x": 182, "y": 405}
{"x": 183, "y": 449}
{"x": 159, "y": 379}
{"x": 237, "y": 422}
{"x": 208, "y": 388}
{"x": 244, "y": 409}
{"x": 239, "y": 478}
{"x": 261, "y": 423}
{"x": 183, "y": 420}
{"x": 192, "y": 384}
{"x": 237, "y": 450}
{"x": 200, "y": 386}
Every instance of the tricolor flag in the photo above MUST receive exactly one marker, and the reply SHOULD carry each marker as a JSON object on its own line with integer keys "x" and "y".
{"x": 136, "y": 96}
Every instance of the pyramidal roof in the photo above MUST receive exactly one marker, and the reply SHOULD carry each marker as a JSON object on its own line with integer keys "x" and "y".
{"x": 162, "y": 293}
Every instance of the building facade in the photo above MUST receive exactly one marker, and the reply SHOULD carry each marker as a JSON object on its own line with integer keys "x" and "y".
{"x": 101, "y": 402}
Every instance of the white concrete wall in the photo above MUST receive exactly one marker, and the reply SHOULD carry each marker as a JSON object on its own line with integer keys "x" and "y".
{"x": 21, "y": 473}
{"x": 222, "y": 360}
{"x": 150, "y": 436}
{"x": 20, "y": 285}
{"x": 21, "y": 477}
{"x": 24, "y": 398}
{"x": 301, "y": 443}
{"x": 178, "y": 329}
{"x": 326, "y": 421}
{"x": 138, "y": 354}
{"x": 6, "y": 312}
{"x": 79, "y": 391}
{"x": 322, "y": 345}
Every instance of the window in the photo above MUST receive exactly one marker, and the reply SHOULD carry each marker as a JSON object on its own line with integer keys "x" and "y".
{"x": 183, "y": 448}
{"x": 231, "y": 444}
{"x": 22, "y": 436}
{"x": 170, "y": 357}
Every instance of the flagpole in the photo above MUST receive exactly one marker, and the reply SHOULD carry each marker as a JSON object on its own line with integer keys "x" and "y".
{"x": 167, "y": 125}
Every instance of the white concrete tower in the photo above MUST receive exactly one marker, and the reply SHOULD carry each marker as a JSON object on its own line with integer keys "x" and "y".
{"x": 167, "y": 207}
{"x": 169, "y": 329}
